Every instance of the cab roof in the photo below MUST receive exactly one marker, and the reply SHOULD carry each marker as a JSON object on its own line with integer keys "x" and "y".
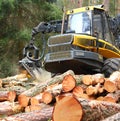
{"x": 84, "y": 9}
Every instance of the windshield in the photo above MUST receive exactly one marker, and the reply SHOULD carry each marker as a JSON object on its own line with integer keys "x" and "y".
{"x": 80, "y": 22}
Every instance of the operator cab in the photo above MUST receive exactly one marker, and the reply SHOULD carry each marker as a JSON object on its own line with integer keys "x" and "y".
{"x": 89, "y": 21}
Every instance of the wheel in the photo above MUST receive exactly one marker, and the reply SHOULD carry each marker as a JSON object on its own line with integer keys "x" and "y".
{"x": 110, "y": 65}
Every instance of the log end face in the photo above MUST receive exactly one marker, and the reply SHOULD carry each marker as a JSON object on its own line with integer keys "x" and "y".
{"x": 110, "y": 86}
{"x": 68, "y": 83}
{"x": 72, "y": 110}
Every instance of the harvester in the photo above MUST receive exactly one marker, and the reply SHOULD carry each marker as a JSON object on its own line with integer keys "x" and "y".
{"x": 87, "y": 40}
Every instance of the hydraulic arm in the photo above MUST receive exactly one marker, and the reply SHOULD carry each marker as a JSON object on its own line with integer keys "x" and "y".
{"x": 32, "y": 60}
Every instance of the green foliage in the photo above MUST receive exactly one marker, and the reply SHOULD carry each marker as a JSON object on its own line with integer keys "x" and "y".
{"x": 17, "y": 18}
{"x": 6, "y": 7}
{"x": 23, "y": 35}
{"x": 7, "y": 68}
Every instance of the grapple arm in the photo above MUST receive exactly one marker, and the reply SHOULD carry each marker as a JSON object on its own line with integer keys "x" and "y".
{"x": 47, "y": 27}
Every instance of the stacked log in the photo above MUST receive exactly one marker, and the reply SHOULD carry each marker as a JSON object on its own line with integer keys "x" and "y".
{"x": 66, "y": 97}
{"x": 78, "y": 109}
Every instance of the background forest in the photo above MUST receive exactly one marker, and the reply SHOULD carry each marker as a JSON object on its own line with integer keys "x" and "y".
{"x": 18, "y": 17}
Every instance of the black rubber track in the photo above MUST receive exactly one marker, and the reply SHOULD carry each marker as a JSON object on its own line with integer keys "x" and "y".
{"x": 110, "y": 65}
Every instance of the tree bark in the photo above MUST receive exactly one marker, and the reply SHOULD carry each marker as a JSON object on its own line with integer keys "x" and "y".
{"x": 17, "y": 89}
{"x": 112, "y": 83}
{"x": 41, "y": 115}
{"x": 113, "y": 97}
{"x": 8, "y": 108}
{"x": 36, "y": 107}
{"x": 93, "y": 79}
{"x": 16, "y": 77}
{"x": 67, "y": 109}
{"x": 83, "y": 110}
{"x": 7, "y": 95}
{"x": 36, "y": 99}
{"x": 98, "y": 110}
{"x": 115, "y": 117}
{"x": 41, "y": 87}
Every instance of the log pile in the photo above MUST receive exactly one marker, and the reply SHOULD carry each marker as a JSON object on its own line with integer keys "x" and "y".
{"x": 65, "y": 97}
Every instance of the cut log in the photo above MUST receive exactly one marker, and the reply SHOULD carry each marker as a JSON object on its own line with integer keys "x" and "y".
{"x": 115, "y": 117}
{"x": 112, "y": 83}
{"x": 69, "y": 108}
{"x": 59, "y": 97}
{"x": 98, "y": 110}
{"x": 68, "y": 83}
{"x": 8, "y": 108}
{"x": 16, "y": 77}
{"x": 100, "y": 98}
{"x": 36, "y": 99}
{"x": 93, "y": 90}
{"x": 7, "y": 96}
{"x": 85, "y": 96}
{"x": 24, "y": 100}
{"x": 77, "y": 91}
{"x": 93, "y": 79}
{"x": 113, "y": 97}
{"x": 54, "y": 89}
{"x": 87, "y": 79}
{"x": 42, "y": 86}
{"x": 41, "y": 115}
{"x": 17, "y": 89}
{"x": 37, "y": 107}
{"x": 32, "y": 108}
{"x": 47, "y": 97}
{"x": 110, "y": 86}
{"x": 97, "y": 78}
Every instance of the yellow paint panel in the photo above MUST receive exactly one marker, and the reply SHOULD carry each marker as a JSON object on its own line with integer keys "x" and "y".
{"x": 83, "y": 9}
{"x": 108, "y": 53}
{"x": 89, "y": 43}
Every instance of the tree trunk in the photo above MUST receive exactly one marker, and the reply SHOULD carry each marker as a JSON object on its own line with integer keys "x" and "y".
{"x": 16, "y": 77}
{"x": 36, "y": 107}
{"x": 93, "y": 79}
{"x": 83, "y": 110}
{"x": 7, "y": 96}
{"x": 98, "y": 110}
{"x": 24, "y": 100}
{"x": 106, "y": 4}
{"x": 8, "y": 108}
{"x": 36, "y": 99}
{"x": 112, "y": 83}
{"x": 40, "y": 87}
{"x": 113, "y": 97}
{"x": 41, "y": 115}
{"x": 17, "y": 89}
{"x": 118, "y": 6}
{"x": 94, "y": 90}
{"x": 47, "y": 97}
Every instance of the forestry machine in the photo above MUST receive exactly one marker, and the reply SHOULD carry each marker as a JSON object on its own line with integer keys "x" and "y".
{"x": 88, "y": 42}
